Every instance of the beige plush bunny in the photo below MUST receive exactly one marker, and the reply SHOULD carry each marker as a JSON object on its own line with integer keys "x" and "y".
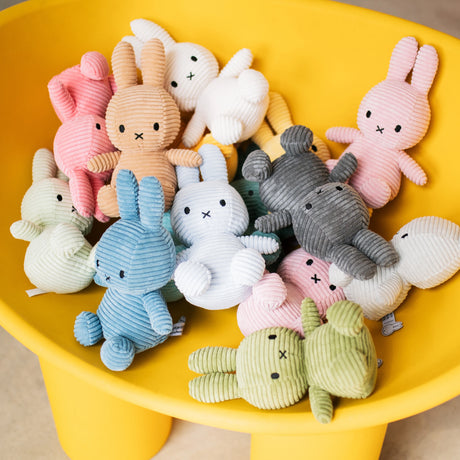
{"x": 142, "y": 122}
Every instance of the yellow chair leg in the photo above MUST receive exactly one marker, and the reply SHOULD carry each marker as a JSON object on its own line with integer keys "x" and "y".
{"x": 92, "y": 424}
{"x": 363, "y": 444}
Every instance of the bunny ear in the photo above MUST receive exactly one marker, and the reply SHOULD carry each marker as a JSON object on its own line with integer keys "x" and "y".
{"x": 124, "y": 65}
{"x": 43, "y": 165}
{"x": 425, "y": 69}
{"x": 127, "y": 195}
{"x": 278, "y": 114}
{"x": 61, "y": 99}
{"x": 151, "y": 202}
{"x": 94, "y": 66}
{"x": 187, "y": 176}
{"x": 145, "y": 30}
{"x": 214, "y": 166}
{"x": 402, "y": 59}
{"x": 137, "y": 47}
{"x": 153, "y": 63}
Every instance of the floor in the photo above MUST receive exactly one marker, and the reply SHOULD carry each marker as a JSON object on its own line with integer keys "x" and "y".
{"x": 26, "y": 425}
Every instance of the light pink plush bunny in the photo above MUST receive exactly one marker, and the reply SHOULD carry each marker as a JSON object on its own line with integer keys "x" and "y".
{"x": 80, "y": 96}
{"x": 393, "y": 116}
{"x": 276, "y": 299}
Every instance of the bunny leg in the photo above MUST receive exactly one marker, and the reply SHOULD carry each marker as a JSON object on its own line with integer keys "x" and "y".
{"x": 253, "y": 86}
{"x": 192, "y": 278}
{"x": 352, "y": 261}
{"x": 257, "y": 166}
{"x": 321, "y": 404}
{"x": 117, "y": 353}
{"x": 247, "y": 267}
{"x": 375, "y": 247}
{"x": 81, "y": 192}
{"x": 87, "y": 329}
{"x": 97, "y": 183}
{"x": 374, "y": 191}
{"x": 158, "y": 313}
{"x": 107, "y": 201}
{"x": 215, "y": 387}
{"x": 226, "y": 130}
{"x": 270, "y": 291}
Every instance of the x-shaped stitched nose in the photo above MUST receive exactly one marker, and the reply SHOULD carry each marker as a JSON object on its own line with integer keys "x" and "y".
{"x": 379, "y": 129}
{"x": 139, "y": 136}
{"x": 283, "y": 354}
{"x": 107, "y": 278}
{"x": 191, "y": 75}
{"x": 206, "y": 214}
{"x": 74, "y": 209}
{"x": 315, "y": 278}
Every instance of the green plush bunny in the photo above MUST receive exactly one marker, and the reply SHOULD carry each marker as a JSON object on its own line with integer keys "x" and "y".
{"x": 273, "y": 368}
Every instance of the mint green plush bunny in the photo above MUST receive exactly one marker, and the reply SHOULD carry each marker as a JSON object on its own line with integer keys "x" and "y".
{"x": 273, "y": 368}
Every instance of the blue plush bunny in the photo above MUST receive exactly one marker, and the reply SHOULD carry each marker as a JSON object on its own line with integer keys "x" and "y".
{"x": 134, "y": 259}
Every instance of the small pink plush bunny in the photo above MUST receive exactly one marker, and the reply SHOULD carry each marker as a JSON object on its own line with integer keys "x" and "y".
{"x": 393, "y": 116}
{"x": 276, "y": 299}
{"x": 80, "y": 96}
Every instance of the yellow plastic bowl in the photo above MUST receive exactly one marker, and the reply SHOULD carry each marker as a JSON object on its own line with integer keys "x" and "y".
{"x": 323, "y": 57}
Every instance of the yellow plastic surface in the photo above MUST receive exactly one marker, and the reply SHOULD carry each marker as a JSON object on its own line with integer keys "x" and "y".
{"x": 323, "y": 57}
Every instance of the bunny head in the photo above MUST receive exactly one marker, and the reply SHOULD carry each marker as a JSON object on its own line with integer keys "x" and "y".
{"x": 136, "y": 254}
{"x": 396, "y": 113}
{"x": 48, "y": 201}
{"x": 211, "y": 206}
{"x": 189, "y": 67}
{"x": 311, "y": 276}
{"x": 141, "y": 118}
{"x": 429, "y": 250}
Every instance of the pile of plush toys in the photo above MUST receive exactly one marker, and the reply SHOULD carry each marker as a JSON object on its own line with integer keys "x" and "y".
{"x": 284, "y": 235}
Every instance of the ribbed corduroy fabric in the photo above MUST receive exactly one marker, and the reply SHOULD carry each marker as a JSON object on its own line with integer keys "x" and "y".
{"x": 135, "y": 257}
{"x": 232, "y": 105}
{"x": 393, "y": 116}
{"x": 429, "y": 254}
{"x": 58, "y": 257}
{"x": 142, "y": 121}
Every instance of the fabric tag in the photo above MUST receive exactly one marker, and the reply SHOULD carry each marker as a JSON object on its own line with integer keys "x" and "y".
{"x": 35, "y": 291}
{"x": 178, "y": 328}
{"x": 390, "y": 325}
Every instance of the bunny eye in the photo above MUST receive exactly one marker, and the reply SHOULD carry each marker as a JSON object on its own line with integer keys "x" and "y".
{"x": 98, "y": 126}
{"x": 122, "y": 274}
{"x": 156, "y": 126}
{"x": 368, "y": 114}
{"x": 272, "y": 337}
{"x": 174, "y": 84}
{"x": 339, "y": 188}
{"x": 275, "y": 376}
{"x": 59, "y": 197}
{"x": 97, "y": 263}
{"x": 309, "y": 262}
{"x": 332, "y": 287}
{"x": 398, "y": 128}
{"x": 194, "y": 58}
{"x": 187, "y": 210}
{"x": 314, "y": 148}
{"x": 251, "y": 192}
{"x": 308, "y": 206}
{"x": 405, "y": 235}
{"x": 222, "y": 203}
{"x": 121, "y": 128}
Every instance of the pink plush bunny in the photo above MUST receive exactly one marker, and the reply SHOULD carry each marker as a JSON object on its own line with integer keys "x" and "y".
{"x": 276, "y": 299}
{"x": 80, "y": 96}
{"x": 393, "y": 116}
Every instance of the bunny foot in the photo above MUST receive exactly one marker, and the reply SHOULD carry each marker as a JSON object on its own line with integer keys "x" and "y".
{"x": 253, "y": 86}
{"x": 192, "y": 278}
{"x": 117, "y": 353}
{"x": 270, "y": 291}
{"x": 247, "y": 267}
{"x": 375, "y": 192}
{"x": 87, "y": 329}
{"x": 226, "y": 130}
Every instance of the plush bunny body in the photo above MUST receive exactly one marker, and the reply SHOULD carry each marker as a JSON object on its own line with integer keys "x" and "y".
{"x": 392, "y": 117}
{"x": 273, "y": 368}
{"x": 135, "y": 258}
{"x": 142, "y": 121}
{"x": 429, "y": 254}
{"x": 58, "y": 256}
{"x": 220, "y": 265}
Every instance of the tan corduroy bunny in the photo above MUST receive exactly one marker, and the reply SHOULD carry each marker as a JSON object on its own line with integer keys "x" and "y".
{"x": 142, "y": 121}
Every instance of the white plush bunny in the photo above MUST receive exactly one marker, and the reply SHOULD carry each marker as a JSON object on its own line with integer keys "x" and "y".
{"x": 231, "y": 104}
{"x": 429, "y": 254}
{"x": 220, "y": 265}
{"x": 58, "y": 258}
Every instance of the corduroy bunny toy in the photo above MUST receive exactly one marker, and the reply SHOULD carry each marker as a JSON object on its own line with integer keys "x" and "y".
{"x": 135, "y": 257}
{"x": 393, "y": 116}
{"x": 273, "y": 368}
{"x": 80, "y": 96}
{"x": 142, "y": 122}
{"x": 219, "y": 266}
{"x": 429, "y": 254}
{"x": 58, "y": 258}
{"x": 276, "y": 299}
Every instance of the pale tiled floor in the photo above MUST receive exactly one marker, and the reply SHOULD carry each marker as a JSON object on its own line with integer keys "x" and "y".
{"x": 26, "y": 426}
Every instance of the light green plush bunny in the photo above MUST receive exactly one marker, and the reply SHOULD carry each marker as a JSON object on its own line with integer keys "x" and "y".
{"x": 273, "y": 368}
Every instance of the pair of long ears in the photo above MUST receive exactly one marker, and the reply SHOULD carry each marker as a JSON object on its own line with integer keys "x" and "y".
{"x": 423, "y": 62}
{"x": 144, "y": 201}
{"x": 153, "y": 64}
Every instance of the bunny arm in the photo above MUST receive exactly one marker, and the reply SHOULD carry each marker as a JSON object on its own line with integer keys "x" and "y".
{"x": 274, "y": 221}
{"x": 352, "y": 261}
{"x": 375, "y": 247}
{"x": 262, "y": 244}
{"x": 81, "y": 192}
{"x": 239, "y": 62}
{"x": 257, "y": 166}
{"x": 158, "y": 312}
{"x": 66, "y": 239}
{"x": 344, "y": 168}
{"x": 270, "y": 291}
{"x": 104, "y": 162}
{"x": 321, "y": 404}
{"x": 184, "y": 157}
{"x": 194, "y": 130}
{"x": 212, "y": 388}
{"x": 213, "y": 359}
{"x": 25, "y": 230}
{"x": 411, "y": 169}
{"x": 343, "y": 135}
{"x": 192, "y": 278}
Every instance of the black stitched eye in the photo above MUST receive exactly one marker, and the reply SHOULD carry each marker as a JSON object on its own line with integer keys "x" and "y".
{"x": 339, "y": 188}
{"x": 332, "y": 287}
{"x": 275, "y": 376}
{"x": 405, "y": 234}
{"x": 308, "y": 206}
{"x": 174, "y": 84}
{"x": 121, "y": 128}
{"x": 187, "y": 210}
{"x": 251, "y": 192}
{"x": 314, "y": 148}
{"x": 97, "y": 263}
{"x": 156, "y": 126}
{"x": 272, "y": 336}
{"x": 59, "y": 197}
{"x": 222, "y": 203}
{"x": 98, "y": 126}
{"x": 368, "y": 114}
{"x": 122, "y": 274}
{"x": 318, "y": 192}
{"x": 398, "y": 128}
{"x": 309, "y": 262}
{"x": 194, "y": 58}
